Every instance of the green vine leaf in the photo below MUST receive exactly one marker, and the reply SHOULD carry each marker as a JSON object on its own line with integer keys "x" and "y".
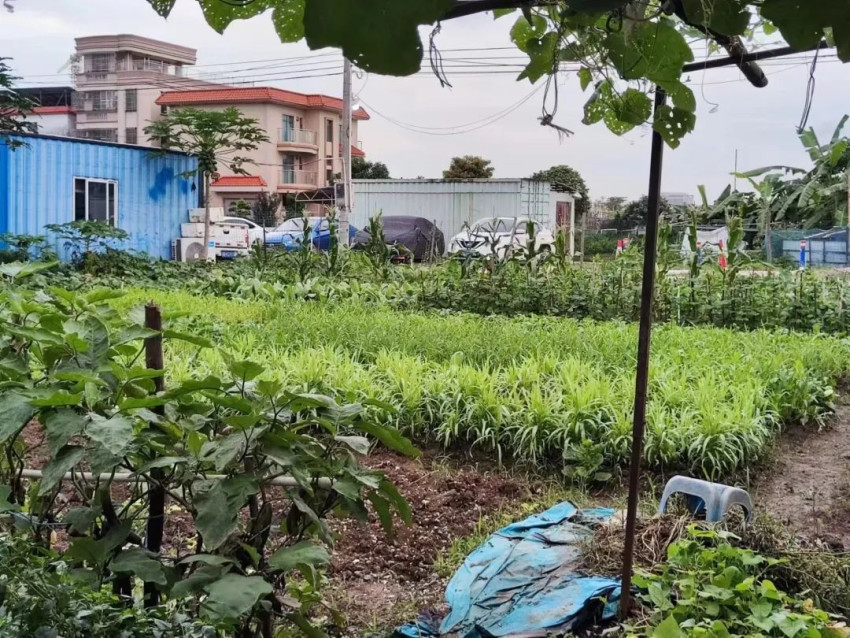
{"x": 653, "y": 50}
{"x": 377, "y": 35}
{"x": 730, "y": 17}
{"x": 303, "y": 553}
{"x": 541, "y": 52}
{"x": 114, "y": 434}
{"x": 15, "y": 413}
{"x": 673, "y": 123}
{"x": 288, "y": 21}
{"x": 523, "y": 31}
{"x": 803, "y": 24}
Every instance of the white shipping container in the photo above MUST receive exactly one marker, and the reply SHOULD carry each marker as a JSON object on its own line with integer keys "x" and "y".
{"x": 452, "y": 204}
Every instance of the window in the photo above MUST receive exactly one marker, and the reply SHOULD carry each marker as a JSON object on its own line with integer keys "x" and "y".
{"x": 163, "y": 110}
{"x": 130, "y": 96}
{"x": 329, "y": 131}
{"x": 287, "y": 133}
{"x": 131, "y": 136}
{"x": 104, "y": 100}
{"x": 102, "y": 62}
{"x": 288, "y": 176}
{"x": 94, "y": 200}
{"x": 100, "y": 134}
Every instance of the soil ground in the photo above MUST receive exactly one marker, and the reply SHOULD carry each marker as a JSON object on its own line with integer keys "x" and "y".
{"x": 808, "y": 485}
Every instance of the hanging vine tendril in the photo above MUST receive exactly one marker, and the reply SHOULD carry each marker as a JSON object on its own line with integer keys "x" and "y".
{"x": 436, "y": 58}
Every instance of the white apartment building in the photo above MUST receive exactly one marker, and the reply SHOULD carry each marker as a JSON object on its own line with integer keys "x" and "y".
{"x": 118, "y": 80}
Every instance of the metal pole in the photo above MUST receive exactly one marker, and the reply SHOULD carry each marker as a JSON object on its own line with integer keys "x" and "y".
{"x": 155, "y": 527}
{"x": 644, "y": 334}
{"x": 345, "y": 212}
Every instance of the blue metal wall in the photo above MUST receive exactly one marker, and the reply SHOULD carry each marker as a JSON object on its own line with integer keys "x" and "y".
{"x": 37, "y": 188}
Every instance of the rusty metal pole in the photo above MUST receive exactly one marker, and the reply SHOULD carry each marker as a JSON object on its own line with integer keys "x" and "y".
{"x": 156, "y": 496}
{"x": 642, "y": 373}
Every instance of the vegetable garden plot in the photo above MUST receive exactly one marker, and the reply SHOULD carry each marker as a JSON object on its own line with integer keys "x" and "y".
{"x": 544, "y": 389}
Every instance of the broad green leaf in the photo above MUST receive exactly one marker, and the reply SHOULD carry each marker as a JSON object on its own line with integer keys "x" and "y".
{"x": 15, "y": 412}
{"x": 669, "y": 628}
{"x": 52, "y": 474}
{"x": 382, "y": 508}
{"x": 245, "y": 370}
{"x": 802, "y": 24}
{"x": 134, "y": 333}
{"x": 62, "y": 426}
{"x": 681, "y": 94}
{"x": 223, "y": 451}
{"x": 115, "y": 433}
{"x": 288, "y": 20}
{"x": 96, "y": 336}
{"x": 305, "y": 552}
{"x": 585, "y": 77}
{"x": 103, "y": 294}
{"x": 142, "y": 402}
{"x": 58, "y": 398}
{"x": 523, "y": 31}
{"x": 390, "y": 491}
{"x": 163, "y": 461}
{"x": 196, "y": 581}
{"x": 162, "y": 7}
{"x": 140, "y": 563}
{"x": 353, "y": 28}
{"x": 541, "y": 52}
{"x": 501, "y": 13}
{"x": 218, "y": 507}
{"x": 730, "y": 17}
{"x": 80, "y": 519}
{"x": 359, "y": 444}
{"x": 5, "y": 504}
{"x": 673, "y": 124}
{"x": 233, "y": 595}
{"x": 197, "y": 340}
{"x": 208, "y": 559}
{"x": 96, "y": 552}
{"x": 391, "y": 438}
{"x": 654, "y": 50}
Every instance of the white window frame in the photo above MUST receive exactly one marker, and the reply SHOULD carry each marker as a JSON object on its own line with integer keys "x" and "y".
{"x": 114, "y": 221}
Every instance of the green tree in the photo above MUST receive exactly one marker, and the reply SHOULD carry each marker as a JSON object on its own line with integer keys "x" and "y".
{"x": 239, "y": 208}
{"x": 565, "y": 179}
{"x": 214, "y": 137}
{"x": 634, "y": 214}
{"x": 14, "y": 108}
{"x": 469, "y": 167}
{"x": 623, "y": 47}
{"x": 361, "y": 169}
{"x": 266, "y": 208}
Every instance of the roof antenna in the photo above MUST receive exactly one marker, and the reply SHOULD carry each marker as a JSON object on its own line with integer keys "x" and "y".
{"x": 436, "y": 58}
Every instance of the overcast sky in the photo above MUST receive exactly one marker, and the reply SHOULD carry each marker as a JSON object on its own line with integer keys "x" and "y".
{"x": 760, "y": 123}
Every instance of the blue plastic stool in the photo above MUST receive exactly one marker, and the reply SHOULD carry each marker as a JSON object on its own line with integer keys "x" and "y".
{"x": 713, "y": 498}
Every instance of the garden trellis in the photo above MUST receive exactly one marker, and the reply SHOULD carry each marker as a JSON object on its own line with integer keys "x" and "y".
{"x": 755, "y": 76}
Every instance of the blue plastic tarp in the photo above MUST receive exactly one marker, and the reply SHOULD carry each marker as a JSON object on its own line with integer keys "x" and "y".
{"x": 522, "y": 583}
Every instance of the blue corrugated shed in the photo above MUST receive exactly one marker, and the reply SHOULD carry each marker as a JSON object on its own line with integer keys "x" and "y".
{"x": 37, "y": 188}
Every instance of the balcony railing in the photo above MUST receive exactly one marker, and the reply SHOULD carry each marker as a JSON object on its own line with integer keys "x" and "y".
{"x": 296, "y": 136}
{"x": 293, "y": 176}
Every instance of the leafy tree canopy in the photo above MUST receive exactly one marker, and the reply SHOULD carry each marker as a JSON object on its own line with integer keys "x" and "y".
{"x": 469, "y": 167}
{"x": 14, "y": 108}
{"x": 362, "y": 169}
{"x": 567, "y": 179}
{"x": 634, "y": 214}
{"x": 623, "y": 47}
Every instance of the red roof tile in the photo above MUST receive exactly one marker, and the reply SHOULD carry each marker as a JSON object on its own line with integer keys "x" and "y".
{"x": 254, "y": 94}
{"x": 355, "y": 152}
{"x": 240, "y": 180}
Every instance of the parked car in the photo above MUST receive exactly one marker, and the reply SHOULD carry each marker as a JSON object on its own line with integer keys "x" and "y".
{"x": 500, "y": 233}
{"x": 419, "y": 236}
{"x": 291, "y": 232}
{"x": 255, "y": 231}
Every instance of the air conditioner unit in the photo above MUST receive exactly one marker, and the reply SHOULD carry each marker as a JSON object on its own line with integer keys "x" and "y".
{"x": 190, "y": 249}
{"x": 197, "y": 215}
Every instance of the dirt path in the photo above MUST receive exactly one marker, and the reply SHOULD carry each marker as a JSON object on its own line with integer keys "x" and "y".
{"x": 808, "y": 487}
